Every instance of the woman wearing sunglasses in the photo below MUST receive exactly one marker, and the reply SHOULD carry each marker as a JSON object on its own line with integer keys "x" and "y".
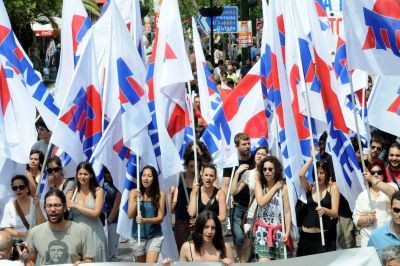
{"x": 367, "y": 217}
{"x": 269, "y": 236}
{"x": 55, "y": 176}
{"x": 18, "y": 213}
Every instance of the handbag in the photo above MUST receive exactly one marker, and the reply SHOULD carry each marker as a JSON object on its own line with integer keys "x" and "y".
{"x": 248, "y": 246}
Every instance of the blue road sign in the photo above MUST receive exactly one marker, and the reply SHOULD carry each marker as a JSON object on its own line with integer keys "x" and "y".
{"x": 226, "y": 23}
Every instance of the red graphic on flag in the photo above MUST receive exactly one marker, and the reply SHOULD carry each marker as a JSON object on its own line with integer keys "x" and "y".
{"x": 4, "y": 91}
{"x": 395, "y": 106}
{"x": 389, "y": 9}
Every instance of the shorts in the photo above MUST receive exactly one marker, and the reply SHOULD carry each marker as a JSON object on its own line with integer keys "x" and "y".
{"x": 145, "y": 246}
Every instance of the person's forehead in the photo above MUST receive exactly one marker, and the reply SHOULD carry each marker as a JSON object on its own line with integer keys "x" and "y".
{"x": 376, "y": 143}
{"x": 396, "y": 203}
{"x": 394, "y": 150}
{"x": 53, "y": 199}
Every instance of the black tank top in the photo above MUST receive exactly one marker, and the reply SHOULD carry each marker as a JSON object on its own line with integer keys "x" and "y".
{"x": 214, "y": 206}
{"x": 311, "y": 218}
{"x": 181, "y": 212}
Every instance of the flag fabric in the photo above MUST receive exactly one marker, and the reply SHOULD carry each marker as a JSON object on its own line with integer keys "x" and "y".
{"x": 347, "y": 170}
{"x": 124, "y": 80}
{"x": 11, "y": 49}
{"x": 171, "y": 72}
{"x": 80, "y": 123}
{"x": 17, "y": 115}
{"x": 371, "y": 28}
{"x": 243, "y": 111}
{"x": 210, "y": 98}
{"x": 136, "y": 29}
{"x": 384, "y": 105}
{"x": 74, "y": 26}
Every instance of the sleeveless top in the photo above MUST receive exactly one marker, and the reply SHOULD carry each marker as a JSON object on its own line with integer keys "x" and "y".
{"x": 147, "y": 231}
{"x": 311, "y": 218}
{"x": 268, "y": 223}
{"x": 181, "y": 212}
{"x": 214, "y": 206}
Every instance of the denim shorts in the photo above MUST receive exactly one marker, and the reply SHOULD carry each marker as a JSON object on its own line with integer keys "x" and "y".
{"x": 150, "y": 245}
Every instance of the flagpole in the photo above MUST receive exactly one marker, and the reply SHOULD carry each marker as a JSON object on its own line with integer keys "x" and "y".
{"x": 364, "y": 168}
{"x": 321, "y": 225}
{"x": 138, "y": 199}
{"x": 192, "y": 124}
{"x": 40, "y": 180}
{"x": 283, "y": 223}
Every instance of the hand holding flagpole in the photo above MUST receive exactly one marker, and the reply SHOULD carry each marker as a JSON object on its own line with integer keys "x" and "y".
{"x": 138, "y": 198}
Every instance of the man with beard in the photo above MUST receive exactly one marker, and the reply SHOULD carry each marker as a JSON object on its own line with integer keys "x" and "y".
{"x": 242, "y": 199}
{"x": 48, "y": 240}
{"x": 389, "y": 234}
{"x": 375, "y": 149}
{"x": 393, "y": 164}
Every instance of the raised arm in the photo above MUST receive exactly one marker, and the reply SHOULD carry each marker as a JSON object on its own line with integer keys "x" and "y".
{"x": 236, "y": 185}
{"x": 192, "y": 208}
{"x": 221, "y": 197}
{"x": 264, "y": 199}
{"x": 160, "y": 214}
{"x": 303, "y": 172}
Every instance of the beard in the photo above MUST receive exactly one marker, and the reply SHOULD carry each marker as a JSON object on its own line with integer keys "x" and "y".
{"x": 57, "y": 219}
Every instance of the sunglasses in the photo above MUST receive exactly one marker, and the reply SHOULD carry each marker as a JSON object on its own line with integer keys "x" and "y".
{"x": 269, "y": 169}
{"x": 20, "y": 187}
{"x": 396, "y": 210}
{"x": 379, "y": 172}
{"x": 376, "y": 148}
{"x": 53, "y": 170}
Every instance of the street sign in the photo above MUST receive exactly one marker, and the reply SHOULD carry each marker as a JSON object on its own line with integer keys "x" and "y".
{"x": 226, "y": 23}
{"x": 245, "y": 35}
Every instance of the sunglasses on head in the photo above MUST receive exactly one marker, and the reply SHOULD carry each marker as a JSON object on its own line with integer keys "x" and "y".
{"x": 379, "y": 172}
{"x": 20, "y": 187}
{"x": 269, "y": 169}
{"x": 53, "y": 170}
{"x": 396, "y": 210}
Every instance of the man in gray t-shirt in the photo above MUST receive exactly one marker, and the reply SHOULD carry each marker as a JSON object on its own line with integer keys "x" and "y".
{"x": 59, "y": 241}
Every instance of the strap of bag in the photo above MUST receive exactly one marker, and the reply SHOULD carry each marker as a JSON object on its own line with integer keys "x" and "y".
{"x": 210, "y": 201}
{"x": 184, "y": 187}
{"x": 21, "y": 214}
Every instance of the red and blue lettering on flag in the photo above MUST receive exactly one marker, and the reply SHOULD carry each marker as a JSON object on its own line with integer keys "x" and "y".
{"x": 85, "y": 118}
{"x": 21, "y": 65}
{"x": 80, "y": 25}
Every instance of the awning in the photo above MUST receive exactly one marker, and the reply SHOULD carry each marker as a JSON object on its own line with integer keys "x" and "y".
{"x": 46, "y": 29}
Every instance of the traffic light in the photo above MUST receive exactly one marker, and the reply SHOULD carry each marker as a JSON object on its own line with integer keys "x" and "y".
{"x": 213, "y": 11}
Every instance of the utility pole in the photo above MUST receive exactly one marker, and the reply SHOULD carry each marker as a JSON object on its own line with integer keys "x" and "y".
{"x": 244, "y": 16}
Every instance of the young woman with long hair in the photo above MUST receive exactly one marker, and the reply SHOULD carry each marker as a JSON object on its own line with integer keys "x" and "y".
{"x": 33, "y": 169}
{"x": 208, "y": 243}
{"x": 86, "y": 203}
{"x": 269, "y": 236}
{"x": 12, "y": 221}
{"x": 310, "y": 233}
{"x": 210, "y": 197}
{"x": 152, "y": 209}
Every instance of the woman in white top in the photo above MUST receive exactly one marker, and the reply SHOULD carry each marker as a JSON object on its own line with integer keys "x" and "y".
{"x": 367, "y": 217}
{"x": 12, "y": 222}
{"x": 249, "y": 178}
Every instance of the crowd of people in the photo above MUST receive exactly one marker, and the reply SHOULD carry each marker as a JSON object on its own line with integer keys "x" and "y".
{"x": 68, "y": 227}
